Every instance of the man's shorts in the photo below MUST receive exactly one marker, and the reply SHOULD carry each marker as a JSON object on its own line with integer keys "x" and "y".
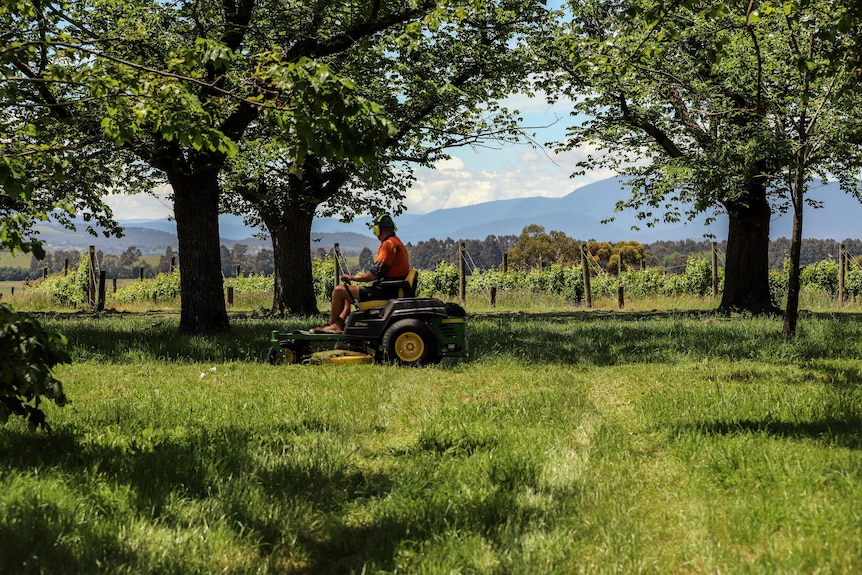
{"x": 368, "y": 293}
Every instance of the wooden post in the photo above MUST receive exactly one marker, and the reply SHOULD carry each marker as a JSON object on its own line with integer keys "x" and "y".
{"x": 336, "y": 270}
{"x": 44, "y": 273}
{"x": 620, "y": 299}
{"x": 714, "y": 269}
{"x": 100, "y": 305}
{"x": 238, "y": 270}
{"x": 91, "y": 285}
{"x": 230, "y": 295}
{"x": 493, "y": 296}
{"x": 505, "y": 262}
{"x": 66, "y": 267}
{"x": 173, "y": 263}
{"x": 141, "y": 273}
{"x": 842, "y": 265}
{"x": 588, "y": 296}
{"x": 462, "y": 275}
{"x": 115, "y": 284}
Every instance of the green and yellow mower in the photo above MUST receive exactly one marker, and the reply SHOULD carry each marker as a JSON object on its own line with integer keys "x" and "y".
{"x": 411, "y": 331}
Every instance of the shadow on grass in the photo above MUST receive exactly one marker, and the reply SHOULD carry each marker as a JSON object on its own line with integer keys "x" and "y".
{"x": 152, "y": 476}
{"x": 611, "y": 338}
{"x": 130, "y": 337}
{"x": 837, "y": 419}
{"x": 831, "y": 430}
{"x": 273, "y": 494}
{"x": 591, "y": 337}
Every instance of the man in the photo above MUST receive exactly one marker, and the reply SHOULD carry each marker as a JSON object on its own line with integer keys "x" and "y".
{"x": 392, "y": 262}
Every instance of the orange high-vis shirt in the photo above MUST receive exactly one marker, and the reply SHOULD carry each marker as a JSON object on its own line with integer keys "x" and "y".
{"x": 394, "y": 259}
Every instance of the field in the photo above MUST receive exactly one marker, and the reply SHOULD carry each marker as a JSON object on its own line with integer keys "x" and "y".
{"x": 572, "y": 441}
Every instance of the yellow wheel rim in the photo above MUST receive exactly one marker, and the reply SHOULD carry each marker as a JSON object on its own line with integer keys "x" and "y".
{"x": 289, "y": 356}
{"x": 409, "y": 347}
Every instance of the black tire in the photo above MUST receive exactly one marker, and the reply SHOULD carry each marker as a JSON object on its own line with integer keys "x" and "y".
{"x": 410, "y": 342}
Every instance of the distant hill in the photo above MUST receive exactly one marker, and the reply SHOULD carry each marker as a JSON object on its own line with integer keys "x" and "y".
{"x": 578, "y": 215}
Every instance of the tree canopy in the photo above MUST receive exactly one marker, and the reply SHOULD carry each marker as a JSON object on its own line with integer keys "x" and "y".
{"x": 684, "y": 98}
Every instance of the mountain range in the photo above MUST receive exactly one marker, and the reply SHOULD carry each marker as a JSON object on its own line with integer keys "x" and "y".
{"x": 578, "y": 214}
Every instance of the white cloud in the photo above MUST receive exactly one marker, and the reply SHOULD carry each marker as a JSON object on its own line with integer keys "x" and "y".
{"x": 142, "y": 206}
{"x": 518, "y": 172}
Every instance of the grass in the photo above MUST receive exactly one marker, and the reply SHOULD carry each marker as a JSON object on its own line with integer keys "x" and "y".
{"x": 574, "y": 441}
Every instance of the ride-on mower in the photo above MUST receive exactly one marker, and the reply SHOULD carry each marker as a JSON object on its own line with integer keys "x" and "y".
{"x": 406, "y": 330}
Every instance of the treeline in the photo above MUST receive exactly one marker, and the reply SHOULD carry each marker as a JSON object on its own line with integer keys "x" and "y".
{"x": 482, "y": 254}
{"x": 239, "y": 258}
{"x": 675, "y": 254}
{"x": 670, "y": 255}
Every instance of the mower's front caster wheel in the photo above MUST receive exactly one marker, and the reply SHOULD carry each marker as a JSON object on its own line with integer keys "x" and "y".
{"x": 287, "y": 355}
{"x": 409, "y": 342}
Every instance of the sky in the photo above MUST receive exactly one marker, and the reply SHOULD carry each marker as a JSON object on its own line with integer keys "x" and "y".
{"x": 471, "y": 176}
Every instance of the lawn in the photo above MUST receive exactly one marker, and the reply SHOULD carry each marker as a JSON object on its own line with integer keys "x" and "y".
{"x": 571, "y": 442}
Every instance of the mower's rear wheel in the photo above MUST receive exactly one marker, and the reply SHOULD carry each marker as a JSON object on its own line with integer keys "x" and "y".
{"x": 410, "y": 342}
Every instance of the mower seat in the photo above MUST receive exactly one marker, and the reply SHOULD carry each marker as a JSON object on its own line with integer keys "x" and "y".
{"x": 406, "y": 288}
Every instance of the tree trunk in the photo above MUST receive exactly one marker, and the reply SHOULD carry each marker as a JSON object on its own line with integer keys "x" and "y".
{"x": 746, "y": 274}
{"x": 294, "y": 282}
{"x": 791, "y": 314}
{"x": 196, "y": 202}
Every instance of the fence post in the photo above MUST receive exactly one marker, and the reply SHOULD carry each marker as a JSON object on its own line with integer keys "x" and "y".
{"x": 493, "y": 296}
{"x": 91, "y": 284}
{"x": 230, "y": 295}
{"x": 714, "y": 269}
{"x": 141, "y": 273}
{"x": 336, "y": 271}
{"x": 100, "y": 305}
{"x": 115, "y": 284}
{"x": 462, "y": 275}
{"x": 620, "y": 298}
{"x": 66, "y": 267}
{"x": 173, "y": 263}
{"x": 842, "y": 265}
{"x": 588, "y": 296}
{"x": 505, "y": 261}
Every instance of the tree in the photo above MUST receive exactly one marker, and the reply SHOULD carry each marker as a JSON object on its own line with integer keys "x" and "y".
{"x": 536, "y": 248}
{"x": 167, "y": 260}
{"x": 175, "y": 86}
{"x": 436, "y": 78}
{"x": 366, "y": 258}
{"x": 678, "y": 103}
{"x": 816, "y": 94}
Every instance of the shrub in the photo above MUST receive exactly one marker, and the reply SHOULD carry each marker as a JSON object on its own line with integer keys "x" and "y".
{"x": 823, "y": 275}
{"x": 323, "y": 272}
{"x": 163, "y": 287}
{"x": 67, "y": 290}
{"x": 443, "y": 281}
{"x": 28, "y": 353}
